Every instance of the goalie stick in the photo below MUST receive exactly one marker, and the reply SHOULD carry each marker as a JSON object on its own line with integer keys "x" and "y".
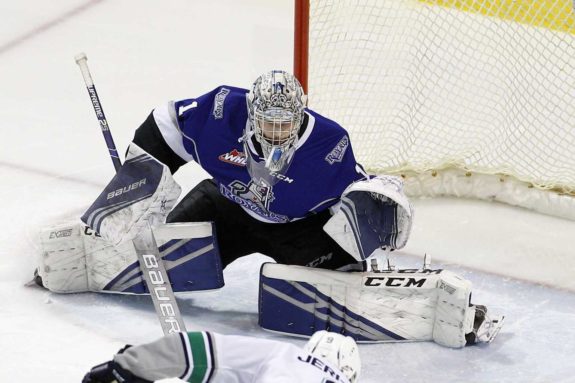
{"x": 151, "y": 263}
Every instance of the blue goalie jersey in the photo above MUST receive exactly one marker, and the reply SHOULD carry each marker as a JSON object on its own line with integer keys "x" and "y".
{"x": 208, "y": 130}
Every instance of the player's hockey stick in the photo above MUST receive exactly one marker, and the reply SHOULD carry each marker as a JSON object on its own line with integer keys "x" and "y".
{"x": 151, "y": 263}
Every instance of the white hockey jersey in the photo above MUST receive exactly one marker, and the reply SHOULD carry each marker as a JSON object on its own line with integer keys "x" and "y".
{"x": 202, "y": 357}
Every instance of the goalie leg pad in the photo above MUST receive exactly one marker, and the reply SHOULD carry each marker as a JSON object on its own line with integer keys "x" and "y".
{"x": 191, "y": 259}
{"x": 75, "y": 259}
{"x": 300, "y": 300}
{"x": 454, "y": 314}
{"x": 62, "y": 262}
{"x": 408, "y": 305}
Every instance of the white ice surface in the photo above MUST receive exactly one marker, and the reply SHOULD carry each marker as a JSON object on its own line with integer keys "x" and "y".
{"x": 53, "y": 163}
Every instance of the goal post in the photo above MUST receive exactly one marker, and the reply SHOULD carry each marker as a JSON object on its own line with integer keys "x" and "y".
{"x": 470, "y": 98}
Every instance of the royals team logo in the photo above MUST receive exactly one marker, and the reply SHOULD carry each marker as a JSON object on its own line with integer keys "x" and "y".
{"x": 218, "y": 111}
{"x": 255, "y": 197}
{"x": 235, "y": 157}
{"x": 337, "y": 153}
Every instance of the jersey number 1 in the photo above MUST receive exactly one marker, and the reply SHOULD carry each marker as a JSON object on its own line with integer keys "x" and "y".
{"x": 183, "y": 109}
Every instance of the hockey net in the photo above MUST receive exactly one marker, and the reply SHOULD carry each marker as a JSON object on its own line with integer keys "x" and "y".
{"x": 472, "y": 98}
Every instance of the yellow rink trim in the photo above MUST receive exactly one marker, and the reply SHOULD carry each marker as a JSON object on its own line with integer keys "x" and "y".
{"x": 551, "y": 14}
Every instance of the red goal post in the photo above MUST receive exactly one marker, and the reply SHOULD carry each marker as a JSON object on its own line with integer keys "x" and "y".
{"x": 466, "y": 98}
{"x": 301, "y": 37}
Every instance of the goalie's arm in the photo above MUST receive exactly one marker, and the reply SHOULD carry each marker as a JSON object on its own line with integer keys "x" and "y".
{"x": 149, "y": 138}
{"x": 161, "y": 134}
{"x": 156, "y": 152}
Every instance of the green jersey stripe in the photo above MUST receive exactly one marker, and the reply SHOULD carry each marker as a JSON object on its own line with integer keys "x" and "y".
{"x": 199, "y": 359}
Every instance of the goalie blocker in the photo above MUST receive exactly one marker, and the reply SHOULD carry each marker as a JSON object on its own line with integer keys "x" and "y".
{"x": 398, "y": 306}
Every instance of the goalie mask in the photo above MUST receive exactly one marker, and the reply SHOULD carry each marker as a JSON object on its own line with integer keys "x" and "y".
{"x": 276, "y": 104}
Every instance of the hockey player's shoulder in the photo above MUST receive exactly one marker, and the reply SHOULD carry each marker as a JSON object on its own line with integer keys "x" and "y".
{"x": 214, "y": 102}
{"x": 226, "y": 100}
{"x": 222, "y": 92}
{"x": 329, "y": 129}
{"x": 326, "y": 134}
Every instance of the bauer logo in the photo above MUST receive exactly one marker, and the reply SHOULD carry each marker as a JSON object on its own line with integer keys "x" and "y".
{"x": 158, "y": 287}
{"x": 337, "y": 153}
{"x": 235, "y": 157}
{"x": 126, "y": 189}
{"x": 219, "y": 103}
{"x": 61, "y": 233}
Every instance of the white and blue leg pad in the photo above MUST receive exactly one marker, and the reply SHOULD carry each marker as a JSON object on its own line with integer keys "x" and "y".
{"x": 75, "y": 259}
{"x": 399, "y": 306}
{"x": 191, "y": 261}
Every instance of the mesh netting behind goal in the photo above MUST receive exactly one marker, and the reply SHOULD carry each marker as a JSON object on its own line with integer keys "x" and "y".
{"x": 483, "y": 86}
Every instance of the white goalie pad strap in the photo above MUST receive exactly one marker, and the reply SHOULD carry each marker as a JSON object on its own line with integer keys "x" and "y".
{"x": 76, "y": 259}
{"x": 143, "y": 191}
{"x": 181, "y": 230}
{"x": 408, "y": 305}
{"x": 374, "y": 213}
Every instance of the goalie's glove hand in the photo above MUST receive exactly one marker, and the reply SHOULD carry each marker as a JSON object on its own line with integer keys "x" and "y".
{"x": 112, "y": 372}
{"x": 373, "y": 214}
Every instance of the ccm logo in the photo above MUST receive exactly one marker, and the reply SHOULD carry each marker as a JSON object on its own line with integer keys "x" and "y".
{"x": 280, "y": 176}
{"x": 126, "y": 189}
{"x": 394, "y": 282}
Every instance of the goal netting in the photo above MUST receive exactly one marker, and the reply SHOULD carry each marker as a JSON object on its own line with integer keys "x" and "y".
{"x": 453, "y": 91}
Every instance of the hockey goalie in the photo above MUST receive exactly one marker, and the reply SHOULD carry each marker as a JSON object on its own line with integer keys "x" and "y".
{"x": 284, "y": 183}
